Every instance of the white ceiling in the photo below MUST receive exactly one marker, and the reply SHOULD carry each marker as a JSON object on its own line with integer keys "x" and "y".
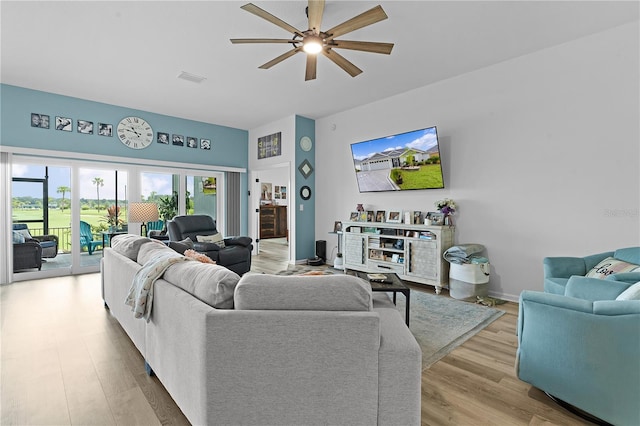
{"x": 130, "y": 53}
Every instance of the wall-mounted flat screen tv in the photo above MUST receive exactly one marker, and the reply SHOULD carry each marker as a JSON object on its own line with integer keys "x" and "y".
{"x": 400, "y": 162}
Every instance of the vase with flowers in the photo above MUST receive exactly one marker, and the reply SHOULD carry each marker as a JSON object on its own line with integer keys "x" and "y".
{"x": 447, "y": 207}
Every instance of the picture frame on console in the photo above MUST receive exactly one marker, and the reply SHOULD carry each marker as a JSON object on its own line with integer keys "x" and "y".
{"x": 435, "y": 218}
{"x": 394, "y": 216}
{"x": 354, "y": 217}
{"x": 381, "y": 215}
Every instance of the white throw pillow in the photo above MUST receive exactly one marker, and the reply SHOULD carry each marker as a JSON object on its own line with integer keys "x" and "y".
{"x": 215, "y": 238}
{"x": 18, "y": 238}
{"x": 610, "y": 266}
{"x": 632, "y": 293}
{"x": 25, "y": 233}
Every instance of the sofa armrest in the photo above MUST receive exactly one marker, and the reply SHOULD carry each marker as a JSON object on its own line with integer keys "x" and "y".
{"x": 594, "y": 288}
{"x": 563, "y": 267}
{"x": 205, "y": 247}
{"x": 238, "y": 241}
{"x": 627, "y": 277}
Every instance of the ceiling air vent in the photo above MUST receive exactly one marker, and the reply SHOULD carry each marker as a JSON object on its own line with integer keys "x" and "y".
{"x": 191, "y": 77}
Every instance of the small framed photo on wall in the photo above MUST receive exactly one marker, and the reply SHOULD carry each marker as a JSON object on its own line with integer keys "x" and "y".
{"x": 105, "y": 129}
{"x": 85, "y": 127}
{"x": 163, "y": 138}
{"x": 177, "y": 140}
{"x": 205, "y": 144}
{"x": 39, "y": 120}
{"x": 192, "y": 142}
{"x": 64, "y": 123}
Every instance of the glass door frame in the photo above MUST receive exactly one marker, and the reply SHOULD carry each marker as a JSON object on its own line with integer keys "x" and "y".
{"x": 75, "y": 162}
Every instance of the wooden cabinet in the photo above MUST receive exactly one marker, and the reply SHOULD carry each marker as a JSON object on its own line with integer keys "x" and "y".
{"x": 414, "y": 252}
{"x": 273, "y": 222}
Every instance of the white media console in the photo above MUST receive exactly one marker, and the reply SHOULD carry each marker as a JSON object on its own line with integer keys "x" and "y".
{"x": 414, "y": 252}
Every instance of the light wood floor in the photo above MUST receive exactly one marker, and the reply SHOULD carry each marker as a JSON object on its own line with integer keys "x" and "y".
{"x": 65, "y": 360}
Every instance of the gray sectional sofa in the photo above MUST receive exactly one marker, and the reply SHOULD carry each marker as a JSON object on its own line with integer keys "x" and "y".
{"x": 266, "y": 349}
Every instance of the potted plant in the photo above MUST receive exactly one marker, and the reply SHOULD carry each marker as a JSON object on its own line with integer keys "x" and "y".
{"x": 113, "y": 218}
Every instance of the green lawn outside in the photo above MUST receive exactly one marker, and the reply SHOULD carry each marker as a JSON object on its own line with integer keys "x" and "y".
{"x": 429, "y": 176}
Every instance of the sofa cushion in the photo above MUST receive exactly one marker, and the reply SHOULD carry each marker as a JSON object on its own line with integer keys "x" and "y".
{"x": 212, "y": 284}
{"x": 151, "y": 250}
{"x": 632, "y": 293}
{"x": 610, "y": 266}
{"x": 313, "y": 293}
{"x": 18, "y": 238}
{"x": 215, "y": 238}
{"x": 128, "y": 244}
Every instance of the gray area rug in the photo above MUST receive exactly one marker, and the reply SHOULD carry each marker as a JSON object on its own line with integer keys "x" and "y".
{"x": 439, "y": 323}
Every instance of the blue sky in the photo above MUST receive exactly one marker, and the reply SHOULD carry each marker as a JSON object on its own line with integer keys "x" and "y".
{"x": 420, "y": 139}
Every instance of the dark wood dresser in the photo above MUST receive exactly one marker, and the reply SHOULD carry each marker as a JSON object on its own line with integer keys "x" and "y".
{"x": 273, "y": 222}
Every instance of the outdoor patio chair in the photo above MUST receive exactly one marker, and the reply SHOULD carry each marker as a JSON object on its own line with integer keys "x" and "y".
{"x": 49, "y": 243}
{"x": 86, "y": 238}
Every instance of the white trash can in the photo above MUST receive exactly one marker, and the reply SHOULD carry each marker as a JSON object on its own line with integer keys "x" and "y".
{"x": 468, "y": 280}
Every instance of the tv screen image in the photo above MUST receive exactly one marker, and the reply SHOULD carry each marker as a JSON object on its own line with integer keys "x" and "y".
{"x": 400, "y": 162}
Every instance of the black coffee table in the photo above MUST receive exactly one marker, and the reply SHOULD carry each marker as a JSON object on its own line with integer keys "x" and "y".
{"x": 396, "y": 286}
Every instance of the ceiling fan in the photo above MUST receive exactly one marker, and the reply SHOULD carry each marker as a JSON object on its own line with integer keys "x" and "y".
{"x": 313, "y": 41}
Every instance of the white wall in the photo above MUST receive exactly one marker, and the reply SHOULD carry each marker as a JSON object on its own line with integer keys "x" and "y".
{"x": 277, "y": 170}
{"x": 541, "y": 154}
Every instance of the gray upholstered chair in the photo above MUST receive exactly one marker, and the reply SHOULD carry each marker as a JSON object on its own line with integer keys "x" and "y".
{"x": 234, "y": 253}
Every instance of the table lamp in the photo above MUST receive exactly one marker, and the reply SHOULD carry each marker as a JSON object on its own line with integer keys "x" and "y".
{"x": 143, "y": 213}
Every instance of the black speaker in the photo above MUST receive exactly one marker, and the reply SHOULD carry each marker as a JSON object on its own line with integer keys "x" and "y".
{"x": 321, "y": 249}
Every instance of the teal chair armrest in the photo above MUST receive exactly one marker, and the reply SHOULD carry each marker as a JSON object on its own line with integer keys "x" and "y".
{"x": 563, "y": 267}
{"x": 627, "y": 277}
{"x": 594, "y": 288}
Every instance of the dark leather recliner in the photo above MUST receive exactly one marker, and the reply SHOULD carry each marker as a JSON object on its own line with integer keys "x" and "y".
{"x": 235, "y": 255}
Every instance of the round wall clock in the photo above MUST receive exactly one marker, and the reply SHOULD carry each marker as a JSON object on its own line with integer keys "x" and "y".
{"x": 305, "y": 143}
{"x": 305, "y": 192}
{"x": 135, "y": 133}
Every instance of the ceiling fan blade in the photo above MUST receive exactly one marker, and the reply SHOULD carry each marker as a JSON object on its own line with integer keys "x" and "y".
{"x": 280, "y": 58}
{"x": 315, "y": 11}
{"x": 252, "y": 8}
{"x": 343, "y": 63}
{"x": 262, "y": 40}
{"x": 365, "y": 46}
{"x": 310, "y": 73}
{"x": 369, "y": 17}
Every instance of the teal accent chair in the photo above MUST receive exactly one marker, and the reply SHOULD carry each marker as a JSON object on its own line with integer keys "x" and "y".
{"x": 558, "y": 270}
{"x": 582, "y": 346}
{"x": 86, "y": 238}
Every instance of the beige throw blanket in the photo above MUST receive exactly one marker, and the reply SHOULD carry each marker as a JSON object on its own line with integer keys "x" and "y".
{"x": 140, "y": 296}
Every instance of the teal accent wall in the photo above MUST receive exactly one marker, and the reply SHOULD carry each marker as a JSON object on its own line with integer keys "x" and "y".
{"x": 229, "y": 146}
{"x": 306, "y": 219}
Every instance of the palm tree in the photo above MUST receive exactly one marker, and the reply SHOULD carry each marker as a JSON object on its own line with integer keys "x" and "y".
{"x": 63, "y": 190}
{"x": 98, "y": 182}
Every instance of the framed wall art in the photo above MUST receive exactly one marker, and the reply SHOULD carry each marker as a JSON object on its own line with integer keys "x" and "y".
{"x": 64, "y": 123}
{"x": 177, "y": 140}
{"x": 39, "y": 120}
{"x": 270, "y": 146}
{"x": 163, "y": 138}
{"x": 105, "y": 129}
{"x": 205, "y": 144}
{"x": 85, "y": 127}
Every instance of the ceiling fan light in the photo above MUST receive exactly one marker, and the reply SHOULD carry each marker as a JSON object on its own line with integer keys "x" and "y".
{"x": 312, "y": 44}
